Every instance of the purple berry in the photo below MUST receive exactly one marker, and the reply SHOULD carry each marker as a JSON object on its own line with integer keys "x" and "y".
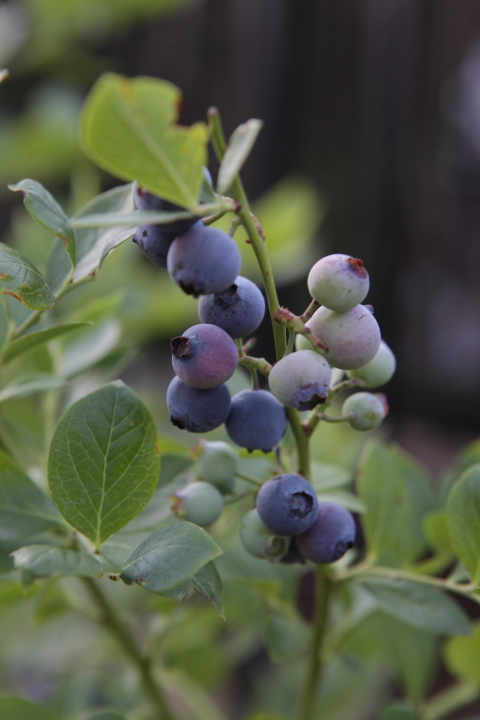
{"x": 287, "y": 504}
{"x": 330, "y": 536}
{"x": 257, "y": 421}
{"x": 154, "y": 241}
{"x": 203, "y": 260}
{"x": 197, "y": 411}
{"x": 238, "y": 310}
{"x": 339, "y": 282}
{"x": 353, "y": 337}
{"x": 145, "y": 200}
{"x": 301, "y": 379}
{"x": 204, "y": 356}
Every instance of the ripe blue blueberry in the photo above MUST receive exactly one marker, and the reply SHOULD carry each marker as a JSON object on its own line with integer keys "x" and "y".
{"x": 339, "y": 282}
{"x": 217, "y": 463}
{"x": 199, "y": 503}
{"x": 238, "y": 310}
{"x": 353, "y": 337}
{"x": 154, "y": 241}
{"x": 301, "y": 379}
{"x": 259, "y": 541}
{"x": 203, "y": 260}
{"x": 197, "y": 411}
{"x": 145, "y": 200}
{"x": 379, "y": 370}
{"x": 330, "y": 536}
{"x": 204, "y": 356}
{"x": 368, "y": 410}
{"x": 257, "y": 421}
{"x": 287, "y": 504}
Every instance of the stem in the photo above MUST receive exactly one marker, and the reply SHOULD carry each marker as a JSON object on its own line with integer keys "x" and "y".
{"x": 111, "y": 621}
{"x": 314, "y": 305}
{"x": 301, "y": 440}
{"x": 249, "y": 478}
{"x": 332, "y": 419}
{"x": 308, "y": 697}
{"x": 445, "y": 702}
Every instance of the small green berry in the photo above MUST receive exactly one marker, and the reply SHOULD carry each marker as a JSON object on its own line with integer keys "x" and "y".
{"x": 379, "y": 370}
{"x": 368, "y": 410}
{"x": 200, "y": 503}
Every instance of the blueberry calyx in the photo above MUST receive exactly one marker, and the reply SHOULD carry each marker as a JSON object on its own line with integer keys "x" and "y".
{"x": 302, "y": 504}
{"x": 227, "y": 298}
{"x": 357, "y": 266}
{"x": 181, "y": 347}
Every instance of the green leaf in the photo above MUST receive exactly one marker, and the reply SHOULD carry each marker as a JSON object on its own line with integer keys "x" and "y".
{"x": 380, "y": 487}
{"x": 147, "y": 217}
{"x": 15, "y": 708}
{"x": 30, "y": 384}
{"x": 128, "y": 129}
{"x": 343, "y": 497}
{"x": 463, "y": 511}
{"x": 239, "y": 148}
{"x": 19, "y": 278}
{"x": 42, "y": 561}
{"x": 208, "y": 582}
{"x": 422, "y": 606}
{"x": 103, "y": 464}
{"x": 435, "y": 525}
{"x": 462, "y": 656}
{"x": 33, "y": 340}
{"x": 88, "y": 348}
{"x": 398, "y": 711}
{"x": 24, "y": 509}
{"x": 329, "y": 477}
{"x": 45, "y": 210}
{"x": 93, "y": 245}
{"x": 286, "y": 637}
{"x": 103, "y": 715}
{"x": 169, "y": 556}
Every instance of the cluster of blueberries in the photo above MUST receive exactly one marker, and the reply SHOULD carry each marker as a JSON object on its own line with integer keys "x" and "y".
{"x": 288, "y": 523}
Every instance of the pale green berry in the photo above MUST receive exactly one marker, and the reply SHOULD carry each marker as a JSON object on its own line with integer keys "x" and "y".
{"x": 352, "y": 337}
{"x": 379, "y": 370}
{"x": 339, "y": 282}
{"x": 259, "y": 541}
{"x": 368, "y": 410}
{"x": 217, "y": 463}
{"x": 300, "y": 380}
{"x": 200, "y": 503}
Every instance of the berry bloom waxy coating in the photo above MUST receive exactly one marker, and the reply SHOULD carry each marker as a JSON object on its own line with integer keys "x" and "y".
{"x": 154, "y": 241}
{"x": 238, "y": 310}
{"x": 197, "y": 411}
{"x": 301, "y": 379}
{"x": 257, "y": 421}
{"x": 203, "y": 260}
{"x": 330, "y": 536}
{"x": 204, "y": 356}
{"x": 217, "y": 463}
{"x": 200, "y": 503}
{"x": 368, "y": 410}
{"x": 379, "y": 370}
{"x": 352, "y": 337}
{"x": 287, "y": 504}
{"x": 339, "y": 282}
{"x": 259, "y": 541}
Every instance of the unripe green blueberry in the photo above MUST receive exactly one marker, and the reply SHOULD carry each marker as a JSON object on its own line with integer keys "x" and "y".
{"x": 259, "y": 541}
{"x": 379, "y": 370}
{"x": 217, "y": 463}
{"x": 339, "y": 282}
{"x": 301, "y": 343}
{"x": 301, "y": 379}
{"x": 200, "y": 503}
{"x": 368, "y": 410}
{"x": 352, "y": 337}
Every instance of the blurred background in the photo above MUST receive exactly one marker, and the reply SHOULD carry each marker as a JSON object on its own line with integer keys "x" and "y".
{"x": 371, "y": 147}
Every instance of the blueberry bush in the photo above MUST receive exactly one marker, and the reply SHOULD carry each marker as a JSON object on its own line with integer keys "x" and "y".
{"x": 226, "y": 535}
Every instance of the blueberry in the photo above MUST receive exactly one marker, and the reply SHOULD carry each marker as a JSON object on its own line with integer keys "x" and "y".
{"x": 369, "y": 410}
{"x": 257, "y": 421}
{"x": 353, "y": 337}
{"x": 145, "y": 200}
{"x": 197, "y": 411}
{"x": 259, "y": 541}
{"x": 339, "y": 282}
{"x": 238, "y": 310}
{"x": 330, "y": 536}
{"x": 204, "y": 356}
{"x": 200, "y": 503}
{"x": 154, "y": 241}
{"x": 301, "y": 379}
{"x": 287, "y": 504}
{"x": 203, "y": 260}
{"x": 217, "y": 463}
{"x": 379, "y": 370}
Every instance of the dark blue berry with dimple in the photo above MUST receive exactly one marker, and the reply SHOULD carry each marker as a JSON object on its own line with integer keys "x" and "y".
{"x": 204, "y": 356}
{"x": 154, "y": 241}
{"x": 330, "y": 536}
{"x": 257, "y": 420}
{"x": 197, "y": 411}
{"x": 287, "y": 505}
{"x": 203, "y": 260}
{"x": 238, "y": 310}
